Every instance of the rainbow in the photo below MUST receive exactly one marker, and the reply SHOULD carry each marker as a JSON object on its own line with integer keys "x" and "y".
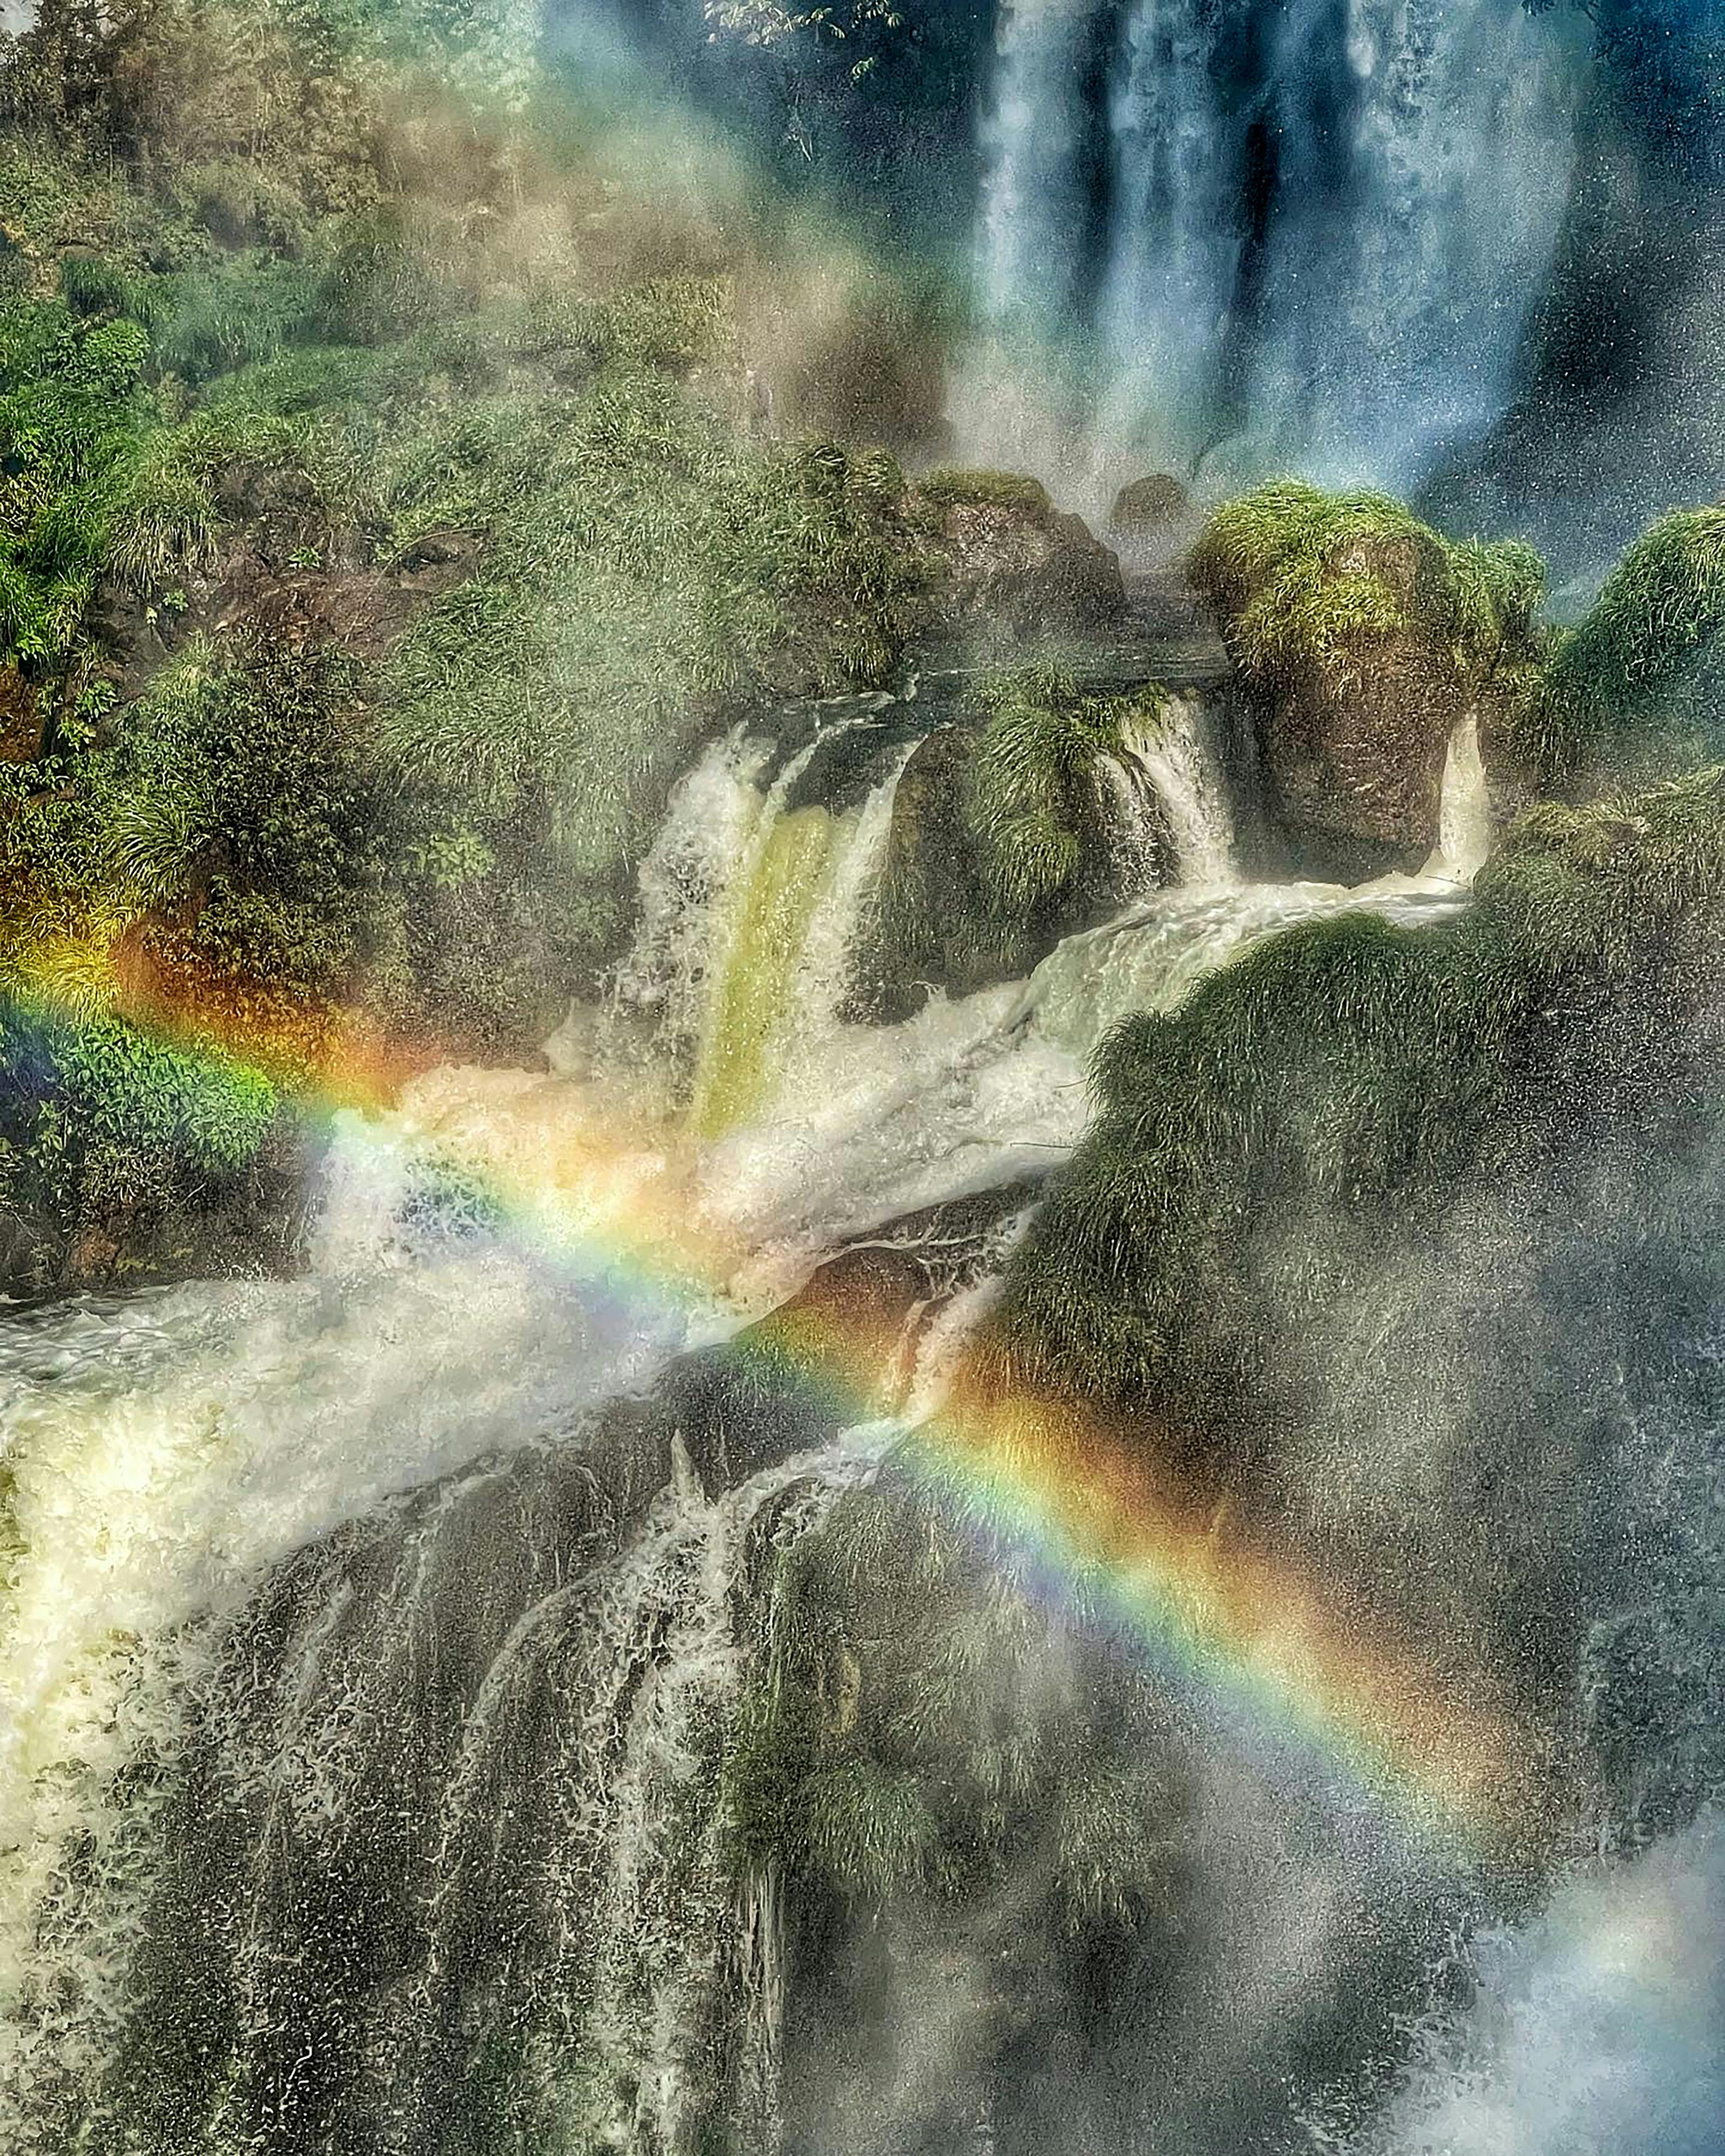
{"x": 1073, "y": 1508}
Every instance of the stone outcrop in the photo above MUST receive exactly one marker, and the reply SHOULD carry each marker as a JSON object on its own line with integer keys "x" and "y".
{"x": 1352, "y": 740}
{"x": 1011, "y": 569}
{"x": 1155, "y": 507}
{"x": 938, "y": 925}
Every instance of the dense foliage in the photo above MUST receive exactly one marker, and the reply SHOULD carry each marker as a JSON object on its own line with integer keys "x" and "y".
{"x": 375, "y": 542}
{"x": 1633, "y": 689}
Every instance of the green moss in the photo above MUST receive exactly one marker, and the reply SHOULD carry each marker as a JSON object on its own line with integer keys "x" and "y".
{"x": 983, "y": 489}
{"x": 1306, "y": 578}
{"x": 1255, "y": 1152}
{"x": 1032, "y": 801}
{"x": 652, "y": 577}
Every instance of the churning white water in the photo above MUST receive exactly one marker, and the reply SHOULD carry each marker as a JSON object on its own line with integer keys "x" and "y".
{"x": 396, "y": 1575}
{"x": 1600, "y": 2030}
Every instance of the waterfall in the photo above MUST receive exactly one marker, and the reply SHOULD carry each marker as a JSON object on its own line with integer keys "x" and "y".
{"x": 158, "y": 1453}
{"x": 1175, "y": 237}
{"x": 1463, "y": 834}
{"x": 372, "y": 1641}
{"x": 1175, "y": 755}
{"x": 750, "y": 910}
{"x": 707, "y": 831}
{"x": 1323, "y": 226}
{"x": 1599, "y": 2028}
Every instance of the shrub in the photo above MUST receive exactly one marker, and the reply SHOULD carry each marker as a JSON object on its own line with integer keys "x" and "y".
{"x": 1034, "y": 802}
{"x": 1612, "y": 692}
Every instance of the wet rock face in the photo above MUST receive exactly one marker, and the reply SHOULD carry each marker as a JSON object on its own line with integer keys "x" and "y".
{"x": 287, "y": 575}
{"x": 1010, "y": 567}
{"x": 1154, "y": 507}
{"x": 1352, "y": 746}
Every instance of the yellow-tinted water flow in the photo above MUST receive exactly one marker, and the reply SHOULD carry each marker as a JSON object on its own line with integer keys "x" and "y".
{"x": 752, "y": 1000}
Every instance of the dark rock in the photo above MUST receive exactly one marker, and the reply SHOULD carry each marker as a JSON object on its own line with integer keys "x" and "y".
{"x": 1352, "y": 749}
{"x": 1012, "y": 568}
{"x": 1152, "y": 507}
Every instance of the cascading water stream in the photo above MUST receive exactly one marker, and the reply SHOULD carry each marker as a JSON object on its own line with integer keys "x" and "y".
{"x": 1464, "y": 808}
{"x": 1173, "y": 757}
{"x": 367, "y": 1676}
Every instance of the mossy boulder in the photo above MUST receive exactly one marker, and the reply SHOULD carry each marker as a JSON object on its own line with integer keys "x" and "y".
{"x": 1010, "y": 567}
{"x": 1635, "y": 690}
{"x": 1008, "y": 832}
{"x": 1363, "y": 639}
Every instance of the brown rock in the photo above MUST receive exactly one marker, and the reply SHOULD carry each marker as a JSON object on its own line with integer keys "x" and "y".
{"x": 1010, "y": 567}
{"x": 1353, "y": 746}
{"x": 1152, "y": 507}
{"x": 20, "y": 719}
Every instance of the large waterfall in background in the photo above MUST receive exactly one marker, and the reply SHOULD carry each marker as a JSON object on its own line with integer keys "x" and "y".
{"x": 1233, "y": 236}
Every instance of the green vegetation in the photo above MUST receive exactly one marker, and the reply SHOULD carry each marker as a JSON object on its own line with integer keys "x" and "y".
{"x": 1306, "y": 578}
{"x": 1633, "y": 689}
{"x": 1004, "y": 835}
{"x": 1256, "y": 1153}
{"x": 916, "y": 1729}
{"x": 1033, "y": 803}
{"x": 949, "y": 489}
{"x": 113, "y": 1142}
{"x": 1331, "y": 583}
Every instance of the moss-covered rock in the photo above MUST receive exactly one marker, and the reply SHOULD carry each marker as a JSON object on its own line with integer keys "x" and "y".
{"x": 1635, "y": 690}
{"x": 1364, "y": 639}
{"x": 1007, "y": 833}
{"x": 1011, "y": 569}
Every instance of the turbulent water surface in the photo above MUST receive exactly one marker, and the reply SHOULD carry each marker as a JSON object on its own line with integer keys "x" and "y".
{"x": 377, "y": 1638}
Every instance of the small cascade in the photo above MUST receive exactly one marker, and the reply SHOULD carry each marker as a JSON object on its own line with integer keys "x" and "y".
{"x": 778, "y": 889}
{"x": 858, "y": 855}
{"x": 1154, "y": 954}
{"x": 1464, "y": 836}
{"x": 708, "y": 830}
{"x": 1173, "y": 755}
{"x": 750, "y": 909}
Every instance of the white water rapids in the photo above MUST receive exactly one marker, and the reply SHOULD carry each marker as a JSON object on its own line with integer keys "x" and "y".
{"x": 351, "y": 1549}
